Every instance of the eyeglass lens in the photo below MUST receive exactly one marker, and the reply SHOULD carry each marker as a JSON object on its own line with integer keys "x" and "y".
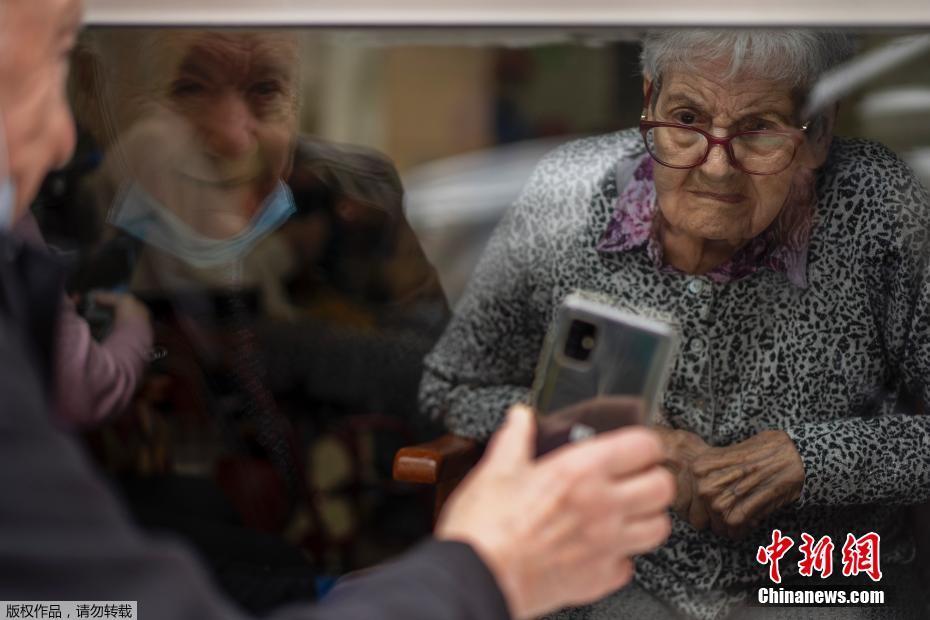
{"x": 754, "y": 152}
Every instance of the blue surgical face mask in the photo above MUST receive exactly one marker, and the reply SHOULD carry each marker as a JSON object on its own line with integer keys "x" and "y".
{"x": 7, "y": 203}
{"x": 7, "y": 187}
{"x": 138, "y": 213}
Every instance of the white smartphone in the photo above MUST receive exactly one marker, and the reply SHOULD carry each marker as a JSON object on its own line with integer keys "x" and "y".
{"x": 593, "y": 351}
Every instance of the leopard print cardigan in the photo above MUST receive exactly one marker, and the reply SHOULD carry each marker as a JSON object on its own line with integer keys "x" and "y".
{"x": 833, "y": 364}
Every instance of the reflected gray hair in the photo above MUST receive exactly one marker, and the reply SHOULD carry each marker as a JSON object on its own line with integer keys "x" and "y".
{"x": 796, "y": 58}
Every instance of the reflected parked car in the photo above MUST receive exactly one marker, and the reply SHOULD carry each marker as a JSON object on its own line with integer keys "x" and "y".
{"x": 454, "y": 203}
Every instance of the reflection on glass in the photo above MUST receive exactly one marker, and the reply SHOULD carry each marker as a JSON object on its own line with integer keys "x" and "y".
{"x": 290, "y": 297}
{"x": 295, "y": 305}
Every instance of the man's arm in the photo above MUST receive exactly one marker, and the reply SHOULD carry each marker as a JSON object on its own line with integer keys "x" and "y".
{"x": 64, "y": 537}
{"x": 522, "y": 536}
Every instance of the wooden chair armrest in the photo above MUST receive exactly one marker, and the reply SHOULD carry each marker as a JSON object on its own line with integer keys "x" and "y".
{"x": 443, "y": 460}
{"x": 441, "y": 463}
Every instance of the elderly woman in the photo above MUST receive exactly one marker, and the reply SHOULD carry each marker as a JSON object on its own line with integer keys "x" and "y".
{"x": 794, "y": 266}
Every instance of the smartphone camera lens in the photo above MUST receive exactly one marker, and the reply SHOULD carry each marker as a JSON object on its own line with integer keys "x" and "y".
{"x": 582, "y": 337}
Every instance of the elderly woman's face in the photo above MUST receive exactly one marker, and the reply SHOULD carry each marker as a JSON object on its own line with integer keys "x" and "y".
{"x": 715, "y": 200}
{"x": 208, "y": 122}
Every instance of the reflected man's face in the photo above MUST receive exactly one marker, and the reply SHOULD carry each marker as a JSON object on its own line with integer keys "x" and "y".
{"x": 209, "y": 123}
{"x": 36, "y": 37}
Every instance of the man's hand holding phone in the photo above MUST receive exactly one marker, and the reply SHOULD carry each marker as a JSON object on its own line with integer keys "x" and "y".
{"x": 587, "y": 418}
{"x": 561, "y": 529}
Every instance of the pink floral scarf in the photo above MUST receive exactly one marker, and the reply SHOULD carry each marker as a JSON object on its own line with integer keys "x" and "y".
{"x": 782, "y": 247}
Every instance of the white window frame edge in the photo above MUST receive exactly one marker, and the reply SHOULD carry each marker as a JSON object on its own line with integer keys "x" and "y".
{"x": 485, "y": 13}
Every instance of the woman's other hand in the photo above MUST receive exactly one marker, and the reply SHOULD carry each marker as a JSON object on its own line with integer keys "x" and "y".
{"x": 742, "y": 484}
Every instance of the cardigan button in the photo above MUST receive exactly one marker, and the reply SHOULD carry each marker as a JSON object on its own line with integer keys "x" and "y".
{"x": 696, "y": 286}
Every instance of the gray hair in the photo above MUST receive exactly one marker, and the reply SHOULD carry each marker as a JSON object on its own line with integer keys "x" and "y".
{"x": 796, "y": 58}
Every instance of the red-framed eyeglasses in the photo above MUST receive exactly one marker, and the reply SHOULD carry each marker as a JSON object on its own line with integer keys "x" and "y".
{"x": 681, "y": 146}
{"x": 755, "y": 152}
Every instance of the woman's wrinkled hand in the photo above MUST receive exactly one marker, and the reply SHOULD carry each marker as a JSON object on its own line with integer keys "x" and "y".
{"x": 682, "y": 449}
{"x": 740, "y": 485}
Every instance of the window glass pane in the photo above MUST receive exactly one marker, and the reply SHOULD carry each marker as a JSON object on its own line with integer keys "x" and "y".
{"x": 349, "y": 241}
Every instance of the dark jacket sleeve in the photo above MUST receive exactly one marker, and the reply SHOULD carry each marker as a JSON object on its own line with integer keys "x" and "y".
{"x": 63, "y": 536}
{"x": 440, "y": 579}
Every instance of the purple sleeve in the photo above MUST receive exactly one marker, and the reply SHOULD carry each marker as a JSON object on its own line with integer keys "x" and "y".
{"x": 92, "y": 380}
{"x": 95, "y": 380}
